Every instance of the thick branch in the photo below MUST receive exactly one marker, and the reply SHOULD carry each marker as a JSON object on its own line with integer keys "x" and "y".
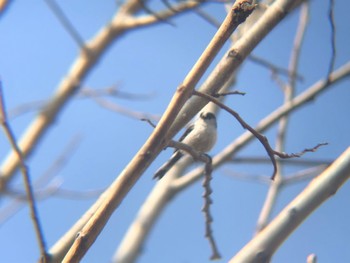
{"x": 234, "y": 58}
{"x": 158, "y": 139}
{"x": 264, "y": 245}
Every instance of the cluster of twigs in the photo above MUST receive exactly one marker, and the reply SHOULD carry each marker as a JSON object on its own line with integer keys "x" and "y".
{"x": 263, "y": 140}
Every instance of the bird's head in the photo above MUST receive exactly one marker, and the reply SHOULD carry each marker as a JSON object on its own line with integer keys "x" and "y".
{"x": 208, "y": 117}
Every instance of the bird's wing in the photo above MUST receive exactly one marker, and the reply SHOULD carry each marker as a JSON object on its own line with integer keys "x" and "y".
{"x": 188, "y": 130}
{"x": 166, "y": 167}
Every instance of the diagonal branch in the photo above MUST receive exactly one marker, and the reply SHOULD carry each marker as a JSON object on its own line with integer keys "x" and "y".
{"x": 158, "y": 139}
{"x": 160, "y": 16}
{"x": 289, "y": 91}
{"x": 165, "y": 190}
{"x": 232, "y": 60}
{"x": 26, "y": 178}
{"x": 264, "y": 244}
{"x": 67, "y": 88}
{"x": 68, "y": 26}
{"x": 121, "y": 23}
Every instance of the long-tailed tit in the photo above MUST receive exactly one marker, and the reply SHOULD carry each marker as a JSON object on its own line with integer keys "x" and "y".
{"x": 201, "y": 136}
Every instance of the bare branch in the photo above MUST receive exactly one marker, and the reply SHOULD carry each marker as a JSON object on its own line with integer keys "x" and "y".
{"x": 68, "y": 87}
{"x": 207, "y": 192}
{"x": 26, "y": 178}
{"x": 232, "y": 60}
{"x": 265, "y": 243}
{"x": 263, "y": 140}
{"x": 275, "y": 69}
{"x": 155, "y": 14}
{"x": 162, "y": 193}
{"x": 90, "y": 93}
{"x": 25, "y": 108}
{"x": 41, "y": 182}
{"x": 234, "y": 92}
{"x": 206, "y": 208}
{"x": 249, "y": 177}
{"x": 158, "y": 139}
{"x": 211, "y": 20}
{"x": 162, "y": 16}
{"x": 295, "y": 162}
{"x": 333, "y": 36}
{"x": 226, "y": 154}
{"x": 149, "y": 122}
{"x": 299, "y": 154}
{"x": 304, "y": 175}
{"x": 124, "y": 111}
{"x": 114, "y": 91}
{"x": 68, "y": 26}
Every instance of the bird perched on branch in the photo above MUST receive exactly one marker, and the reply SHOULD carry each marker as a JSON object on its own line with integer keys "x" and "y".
{"x": 200, "y": 136}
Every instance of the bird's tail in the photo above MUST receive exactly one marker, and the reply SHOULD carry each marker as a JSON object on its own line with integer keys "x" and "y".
{"x": 166, "y": 167}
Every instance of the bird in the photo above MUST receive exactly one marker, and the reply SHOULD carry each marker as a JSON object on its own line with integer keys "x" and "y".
{"x": 201, "y": 136}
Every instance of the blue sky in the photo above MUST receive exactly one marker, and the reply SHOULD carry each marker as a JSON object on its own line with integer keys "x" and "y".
{"x": 36, "y": 53}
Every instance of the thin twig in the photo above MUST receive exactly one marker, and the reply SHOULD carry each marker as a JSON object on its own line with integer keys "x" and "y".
{"x": 299, "y": 154}
{"x": 113, "y": 91}
{"x": 211, "y": 20}
{"x": 159, "y": 16}
{"x": 263, "y": 140}
{"x": 274, "y": 68}
{"x": 83, "y": 93}
{"x": 96, "y": 95}
{"x": 234, "y": 92}
{"x": 149, "y": 122}
{"x": 248, "y": 177}
{"x": 54, "y": 189}
{"x": 25, "y": 108}
{"x": 294, "y": 162}
{"x": 285, "y": 180}
{"x": 289, "y": 91}
{"x": 41, "y": 182}
{"x": 26, "y": 178}
{"x": 206, "y": 208}
{"x": 124, "y": 111}
{"x": 207, "y": 192}
{"x": 333, "y": 38}
{"x": 303, "y": 175}
{"x": 155, "y": 14}
{"x": 68, "y": 26}
{"x": 170, "y": 6}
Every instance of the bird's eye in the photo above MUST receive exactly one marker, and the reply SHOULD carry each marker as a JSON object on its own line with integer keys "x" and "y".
{"x": 207, "y": 115}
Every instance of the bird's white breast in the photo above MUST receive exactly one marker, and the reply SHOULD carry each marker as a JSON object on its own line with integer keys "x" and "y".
{"x": 203, "y": 138}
